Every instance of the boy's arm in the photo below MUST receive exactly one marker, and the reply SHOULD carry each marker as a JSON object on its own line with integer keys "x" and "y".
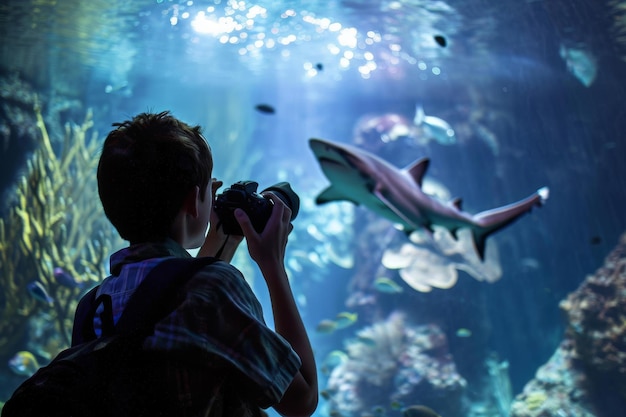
{"x": 268, "y": 251}
{"x": 217, "y": 241}
{"x": 301, "y": 396}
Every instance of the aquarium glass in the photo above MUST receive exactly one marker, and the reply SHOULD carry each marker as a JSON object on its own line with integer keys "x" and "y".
{"x": 460, "y": 167}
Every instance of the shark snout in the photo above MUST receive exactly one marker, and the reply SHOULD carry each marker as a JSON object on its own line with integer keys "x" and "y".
{"x": 327, "y": 151}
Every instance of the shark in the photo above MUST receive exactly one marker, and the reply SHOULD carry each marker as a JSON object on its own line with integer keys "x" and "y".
{"x": 396, "y": 194}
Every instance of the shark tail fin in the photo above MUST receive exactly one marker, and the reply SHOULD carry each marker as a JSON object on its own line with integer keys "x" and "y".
{"x": 544, "y": 193}
{"x": 490, "y": 221}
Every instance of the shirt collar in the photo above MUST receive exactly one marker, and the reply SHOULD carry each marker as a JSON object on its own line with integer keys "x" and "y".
{"x": 142, "y": 251}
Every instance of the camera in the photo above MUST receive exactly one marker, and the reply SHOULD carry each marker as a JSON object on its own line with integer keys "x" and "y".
{"x": 243, "y": 195}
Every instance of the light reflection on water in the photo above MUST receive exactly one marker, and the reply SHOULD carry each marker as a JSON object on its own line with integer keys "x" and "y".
{"x": 363, "y": 38}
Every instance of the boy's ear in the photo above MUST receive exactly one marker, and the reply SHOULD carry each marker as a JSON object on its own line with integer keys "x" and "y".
{"x": 190, "y": 203}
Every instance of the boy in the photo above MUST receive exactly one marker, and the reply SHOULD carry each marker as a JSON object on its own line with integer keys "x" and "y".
{"x": 215, "y": 354}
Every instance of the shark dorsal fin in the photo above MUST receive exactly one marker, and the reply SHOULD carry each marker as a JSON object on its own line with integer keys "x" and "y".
{"x": 457, "y": 202}
{"x": 417, "y": 170}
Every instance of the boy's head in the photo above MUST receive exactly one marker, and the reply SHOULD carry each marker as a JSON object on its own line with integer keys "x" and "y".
{"x": 147, "y": 167}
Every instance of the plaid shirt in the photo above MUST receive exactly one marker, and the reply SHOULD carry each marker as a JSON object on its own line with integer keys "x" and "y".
{"x": 220, "y": 319}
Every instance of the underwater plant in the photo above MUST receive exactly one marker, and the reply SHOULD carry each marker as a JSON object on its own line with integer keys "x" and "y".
{"x": 54, "y": 241}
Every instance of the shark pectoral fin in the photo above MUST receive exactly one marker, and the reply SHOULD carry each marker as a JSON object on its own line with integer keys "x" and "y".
{"x": 332, "y": 194}
{"x": 417, "y": 170}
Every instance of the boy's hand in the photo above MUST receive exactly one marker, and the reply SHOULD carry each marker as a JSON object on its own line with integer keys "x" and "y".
{"x": 270, "y": 244}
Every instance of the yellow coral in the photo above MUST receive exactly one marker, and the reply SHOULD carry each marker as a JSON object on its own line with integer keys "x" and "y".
{"x": 535, "y": 399}
{"x": 56, "y": 220}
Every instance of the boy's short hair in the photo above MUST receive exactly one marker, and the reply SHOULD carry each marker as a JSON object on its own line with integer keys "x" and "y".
{"x": 147, "y": 167}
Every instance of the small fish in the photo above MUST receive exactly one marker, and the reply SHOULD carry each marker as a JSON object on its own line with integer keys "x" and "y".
{"x": 463, "y": 332}
{"x": 438, "y": 128}
{"x": 441, "y": 41}
{"x": 319, "y": 66}
{"x": 396, "y": 405}
{"x": 39, "y": 292}
{"x": 387, "y": 286}
{"x": 325, "y": 394}
{"x": 378, "y": 410}
{"x": 367, "y": 340}
{"x": 326, "y": 327}
{"x": 335, "y": 358}
{"x": 418, "y": 411}
{"x": 65, "y": 278}
{"x": 24, "y": 363}
{"x": 122, "y": 89}
{"x": 581, "y": 63}
{"x": 530, "y": 264}
{"x": 265, "y": 108}
{"x": 595, "y": 240}
{"x": 345, "y": 319}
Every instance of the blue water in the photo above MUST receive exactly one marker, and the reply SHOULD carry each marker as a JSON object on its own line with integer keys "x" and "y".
{"x": 533, "y": 90}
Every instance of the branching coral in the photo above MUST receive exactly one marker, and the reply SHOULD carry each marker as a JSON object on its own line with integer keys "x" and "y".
{"x": 393, "y": 362}
{"x": 56, "y": 221}
{"x": 377, "y": 349}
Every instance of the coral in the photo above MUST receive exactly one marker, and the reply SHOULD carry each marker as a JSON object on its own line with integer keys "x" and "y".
{"x": 617, "y": 8}
{"x": 55, "y": 221}
{"x": 586, "y": 376}
{"x": 429, "y": 263}
{"x": 392, "y": 362}
{"x": 535, "y": 399}
{"x": 597, "y": 318}
{"x": 558, "y": 389}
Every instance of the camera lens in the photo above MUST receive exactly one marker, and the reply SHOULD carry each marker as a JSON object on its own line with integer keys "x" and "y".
{"x": 284, "y": 191}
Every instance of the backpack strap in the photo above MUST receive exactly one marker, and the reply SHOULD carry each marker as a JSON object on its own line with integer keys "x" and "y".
{"x": 150, "y": 303}
{"x": 86, "y": 311}
{"x": 82, "y": 331}
{"x": 155, "y": 297}
{"x": 108, "y": 325}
